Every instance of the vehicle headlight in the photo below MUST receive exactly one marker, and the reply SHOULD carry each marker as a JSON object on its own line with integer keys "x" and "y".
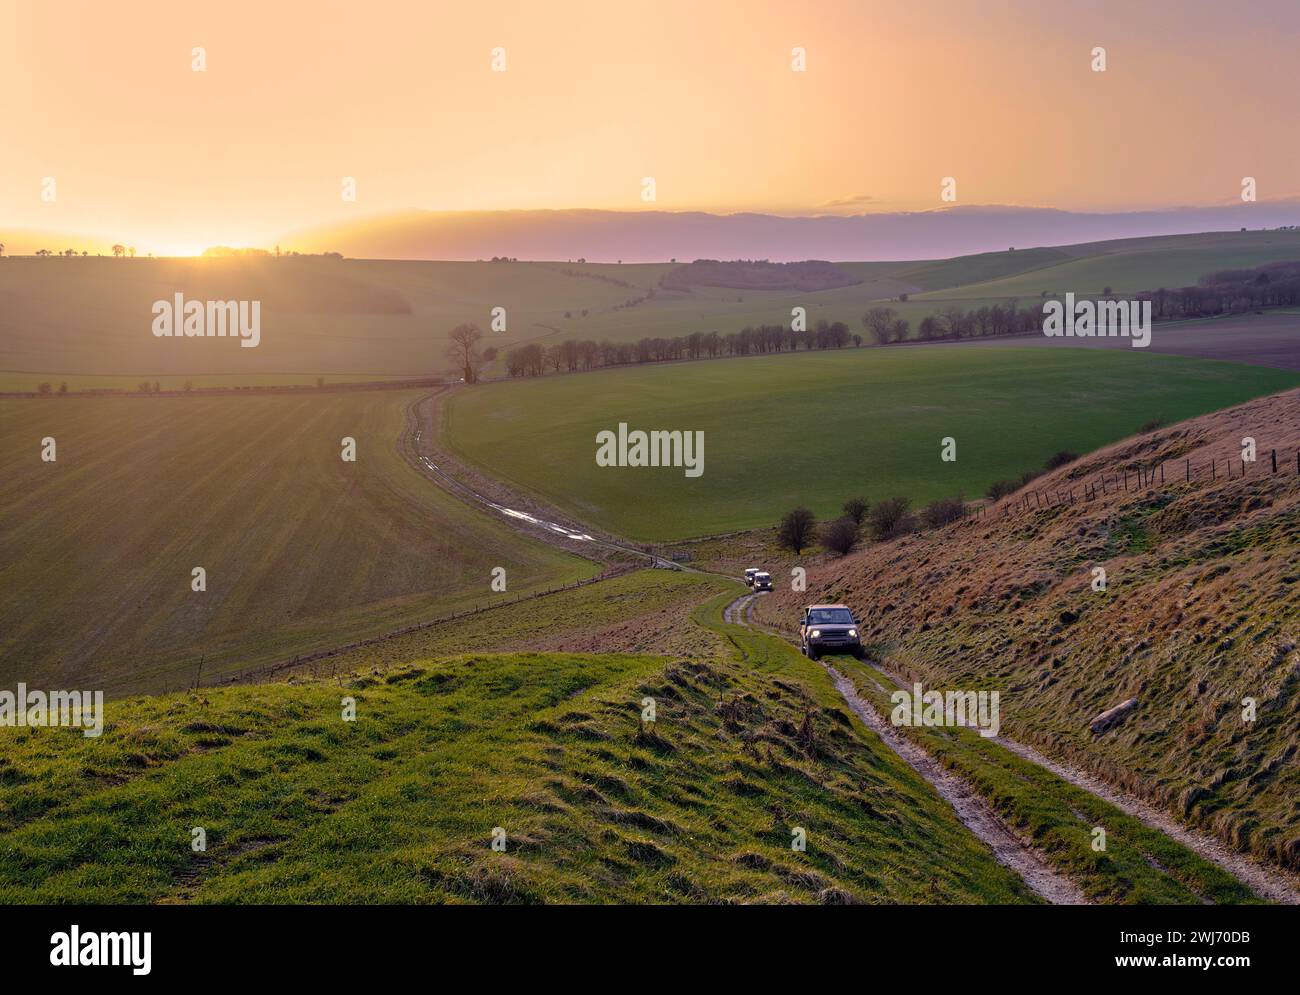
{"x": 853, "y": 633}
{"x": 816, "y": 633}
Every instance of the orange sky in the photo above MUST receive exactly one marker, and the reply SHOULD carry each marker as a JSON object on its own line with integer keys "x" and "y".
{"x": 699, "y": 95}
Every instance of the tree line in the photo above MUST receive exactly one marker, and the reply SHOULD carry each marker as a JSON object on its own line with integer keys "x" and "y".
{"x": 575, "y": 355}
{"x": 888, "y": 519}
{"x": 1228, "y": 292}
{"x": 882, "y": 325}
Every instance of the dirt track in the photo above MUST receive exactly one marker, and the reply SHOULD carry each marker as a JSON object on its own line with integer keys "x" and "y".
{"x": 974, "y": 813}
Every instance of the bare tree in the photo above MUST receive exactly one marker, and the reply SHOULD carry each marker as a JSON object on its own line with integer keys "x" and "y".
{"x": 841, "y": 535}
{"x": 119, "y": 251}
{"x": 856, "y": 508}
{"x": 891, "y": 518}
{"x": 879, "y": 321}
{"x": 796, "y": 530}
{"x": 464, "y": 352}
{"x": 943, "y": 511}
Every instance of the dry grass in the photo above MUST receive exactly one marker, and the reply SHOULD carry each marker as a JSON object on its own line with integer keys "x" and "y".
{"x": 1201, "y": 610}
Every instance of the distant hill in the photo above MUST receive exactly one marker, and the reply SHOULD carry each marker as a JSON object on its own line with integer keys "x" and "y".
{"x": 88, "y": 321}
{"x": 661, "y": 236}
{"x": 758, "y": 274}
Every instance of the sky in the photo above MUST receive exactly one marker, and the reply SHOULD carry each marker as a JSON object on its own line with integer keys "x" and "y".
{"x": 596, "y": 96}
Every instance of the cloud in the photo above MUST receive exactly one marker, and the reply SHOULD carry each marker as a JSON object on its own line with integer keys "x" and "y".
{"x": 858, "y": 200}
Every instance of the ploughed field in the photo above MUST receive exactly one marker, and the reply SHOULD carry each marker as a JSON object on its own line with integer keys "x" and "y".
{"x": 1268, "y": 338}
{"x": 301, "y": 550}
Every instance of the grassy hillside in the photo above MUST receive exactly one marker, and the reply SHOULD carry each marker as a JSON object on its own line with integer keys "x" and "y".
{"x": 644, "y": 611}
{"x": 1126, "y": 266}
{"x": 301, "y": 549}
{"x": 1201, "y": 610}
{"x": 87, "y": 321}
{"x": 963, "y": 270}
{"x": 818, "y": 428}
{"x": 400, "y": 805}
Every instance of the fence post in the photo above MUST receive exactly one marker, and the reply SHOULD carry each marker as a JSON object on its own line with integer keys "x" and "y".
{"x": 1162, "y": 473}
{"x": 1275, "y": 461}
{"x": 1189, "y": 469}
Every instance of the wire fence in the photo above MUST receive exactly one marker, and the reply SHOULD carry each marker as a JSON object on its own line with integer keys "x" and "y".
{"x": 1134, "y": 476}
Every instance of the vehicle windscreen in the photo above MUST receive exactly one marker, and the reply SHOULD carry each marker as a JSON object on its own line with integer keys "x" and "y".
{"x": 762, "y": 576}
{"x": 830, "y": 616}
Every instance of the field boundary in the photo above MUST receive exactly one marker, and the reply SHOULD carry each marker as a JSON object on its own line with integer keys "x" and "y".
{"x": 1112, "y": 482}
{"x": 307, "y": 658}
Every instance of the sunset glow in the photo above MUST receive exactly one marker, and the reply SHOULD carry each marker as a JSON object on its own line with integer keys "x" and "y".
{"x": 598, "y": 96}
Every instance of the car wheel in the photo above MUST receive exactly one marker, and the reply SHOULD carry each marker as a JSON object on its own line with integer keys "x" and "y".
{"x": 859, "y": 653}
{"x": 812, "y": 652}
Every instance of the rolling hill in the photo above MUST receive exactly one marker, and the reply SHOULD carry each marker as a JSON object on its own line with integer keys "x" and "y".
{"x": 655, "y": 235}
{"x": 1200, "y": 612}
{"x": 87, "y": 321}
{"x": 401, "y": 804}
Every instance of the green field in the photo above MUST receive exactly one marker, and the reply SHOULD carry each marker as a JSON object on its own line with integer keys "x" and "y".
{"x": 302, "y": 550}
{"x": 87, "y": 321}
{"x": 818, "y": 428}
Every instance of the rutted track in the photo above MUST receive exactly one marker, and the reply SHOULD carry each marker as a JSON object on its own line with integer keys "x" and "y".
{"x": 974, "y": 813}
{"x": 569, "y": 537}
{"x": 1265, "y": 882}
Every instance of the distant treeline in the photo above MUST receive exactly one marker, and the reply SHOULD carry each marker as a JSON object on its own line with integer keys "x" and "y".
{"x": 226, "y": 252}
{"x": 757, "y": 274}
{"x": 882, "y": 325}
{"x": 977, "y": 323}
{"x": 1229, "y": 291}
{"x": 572, "y": 355}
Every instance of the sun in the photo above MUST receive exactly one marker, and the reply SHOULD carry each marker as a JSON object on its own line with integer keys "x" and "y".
{"x": 176, "y": 247}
